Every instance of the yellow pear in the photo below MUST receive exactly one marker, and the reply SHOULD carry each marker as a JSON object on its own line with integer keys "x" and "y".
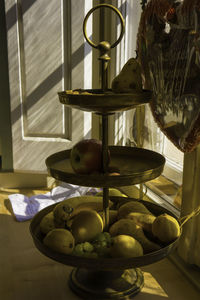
{"x": 97, "y": 206}
{"x": 112, "y": 216}
{"x": 47, "y": 223}
{"x": 166, "y": 228}
{"x": 132, "y": 206}
{"x": 129, "y": 227}
{"x": 63, "y": 210}
{"x": 60, "y": 240}
{"x": 125, "y": 246}
{"x": 86, "y": 225}
{"x": 60, "y": 223}
{"x": 144, "y": 220}
{"x": 129, "y": 79}
{"x": 112, "y": 192}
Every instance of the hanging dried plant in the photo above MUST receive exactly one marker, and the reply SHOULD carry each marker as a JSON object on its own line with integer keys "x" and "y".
{"x": 168, "y": 48}
{"x": 156, "y": 7}
{"x": 143, "y": 3}
{"x": 188, "y": 5}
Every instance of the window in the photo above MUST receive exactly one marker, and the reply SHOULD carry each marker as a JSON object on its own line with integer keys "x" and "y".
{"x": 166, "y": 188}
{"x": 168, "y": 185}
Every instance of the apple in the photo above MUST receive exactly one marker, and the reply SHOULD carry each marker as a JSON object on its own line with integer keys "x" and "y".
{"x": 86, "y": 156}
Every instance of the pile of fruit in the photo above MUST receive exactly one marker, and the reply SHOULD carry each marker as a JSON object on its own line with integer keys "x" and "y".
{"x": 75, "y": 226}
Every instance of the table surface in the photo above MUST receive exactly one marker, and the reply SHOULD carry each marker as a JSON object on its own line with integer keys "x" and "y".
{"x": 25, "y": 273}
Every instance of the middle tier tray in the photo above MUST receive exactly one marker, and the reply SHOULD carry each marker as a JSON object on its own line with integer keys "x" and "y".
{"x": 135, "y": 165}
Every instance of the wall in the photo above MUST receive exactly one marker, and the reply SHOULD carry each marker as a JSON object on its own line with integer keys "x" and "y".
{"x": 5, "y": 123}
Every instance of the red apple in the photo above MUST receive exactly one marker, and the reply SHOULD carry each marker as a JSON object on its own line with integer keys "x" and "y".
{"x": 86, "y": 156}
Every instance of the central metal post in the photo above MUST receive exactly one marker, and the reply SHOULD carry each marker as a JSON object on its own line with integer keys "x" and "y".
{"x": 104, "y": 47}
{"x": 105, "y": 159}
{"x": 104, "y": 58}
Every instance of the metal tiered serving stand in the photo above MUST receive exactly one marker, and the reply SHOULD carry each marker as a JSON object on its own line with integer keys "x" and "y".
{"x": 105, "y": 278}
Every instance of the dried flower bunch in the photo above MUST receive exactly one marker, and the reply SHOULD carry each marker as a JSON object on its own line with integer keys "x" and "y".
{"x": 168, "y": 47}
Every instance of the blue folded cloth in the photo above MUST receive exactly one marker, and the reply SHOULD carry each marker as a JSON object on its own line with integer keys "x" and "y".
{"x": 24, "y": 208}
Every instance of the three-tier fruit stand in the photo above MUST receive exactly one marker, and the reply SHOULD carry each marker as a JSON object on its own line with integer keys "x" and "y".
{"x": 105, "y": 278}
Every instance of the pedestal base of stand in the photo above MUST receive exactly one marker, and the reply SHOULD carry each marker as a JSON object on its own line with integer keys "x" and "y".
{"x": 89, "y": 284}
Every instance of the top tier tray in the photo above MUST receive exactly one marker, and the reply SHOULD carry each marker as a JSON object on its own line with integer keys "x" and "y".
{"x": 99, "y": 101}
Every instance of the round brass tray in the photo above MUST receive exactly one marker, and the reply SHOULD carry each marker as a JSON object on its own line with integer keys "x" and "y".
{"x": 136, "y": 165}
{"x": 104, "y": 102}
{"x": 100, "y": 263}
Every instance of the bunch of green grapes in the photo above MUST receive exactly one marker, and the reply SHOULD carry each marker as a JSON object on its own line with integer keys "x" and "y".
{"x": 102, "y": 244}
{"x": 85, "y": 249}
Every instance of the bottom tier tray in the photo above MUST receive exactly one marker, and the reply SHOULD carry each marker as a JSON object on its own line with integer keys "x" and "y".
{"x": 103, "y": 278}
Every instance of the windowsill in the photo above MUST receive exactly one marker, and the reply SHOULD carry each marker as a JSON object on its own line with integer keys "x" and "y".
{"x": 163, "y": 201}
{"x": 160, "y": 190}
{"x": 166, "y": 190}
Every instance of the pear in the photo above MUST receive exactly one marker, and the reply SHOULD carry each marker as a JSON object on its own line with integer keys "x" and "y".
{"x": 166, "y": 228}
{"x": 86, "y": 225}
{"x": 112, "y": 192}
{"x": 125, "y": 246}
{"x": 97, "y": 206}
{"x": 63, "y": 210}
{"x": 132, "y": 206}
{"x": 60, "y": 223}
{"x": 112, "y": 216}
{"x": 144, "y": 220}
{"x": 76, "y": 201}
{"x": 129, "y": 79}
{"x": 47, "y": 223}
{"x": 129, "y": 227}
{"x": 60, "y": 240}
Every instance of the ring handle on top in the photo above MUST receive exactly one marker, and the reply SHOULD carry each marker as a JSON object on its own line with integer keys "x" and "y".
{"x": 121, "y": 21}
